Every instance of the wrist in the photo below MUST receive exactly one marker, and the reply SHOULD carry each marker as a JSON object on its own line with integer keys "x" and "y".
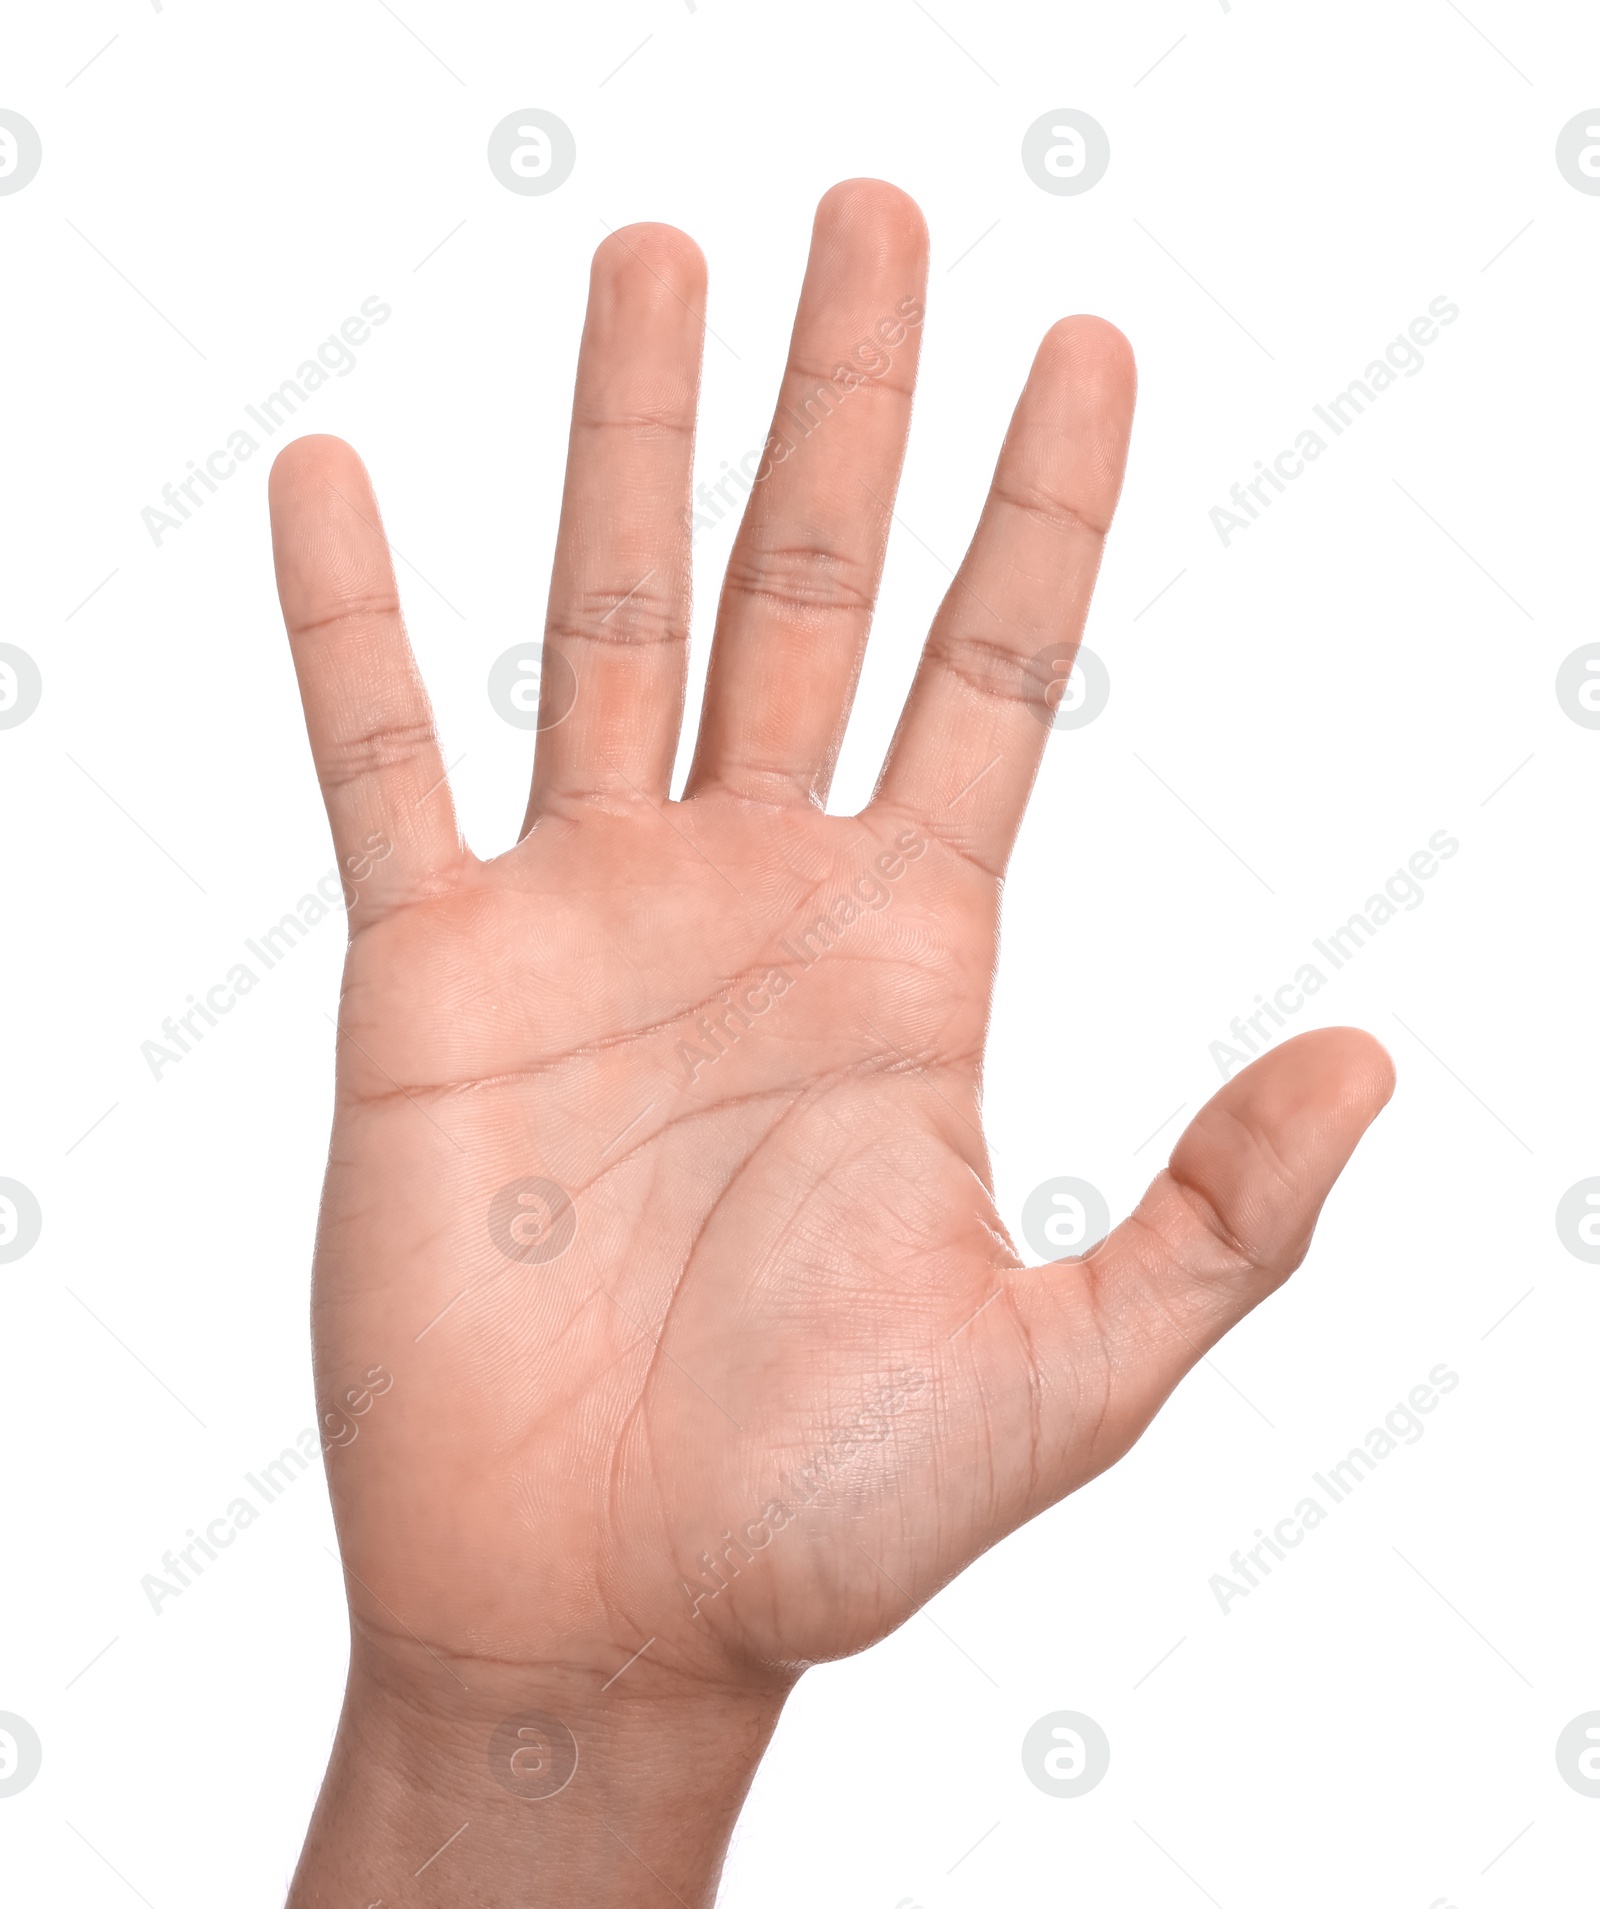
{"x": 495, "y": 1784}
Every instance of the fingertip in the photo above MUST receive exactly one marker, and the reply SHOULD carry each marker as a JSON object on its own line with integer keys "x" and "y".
{"x": 1305, "y": 1105}
{"x": 1328, "y": 1069}
{"x": 1364, "y": 1064}
{"x": 874, "y": 204}
{"x": 310, "y": 461}
{"x": 1094, "y": 353}
{"x": 658, "y": 260}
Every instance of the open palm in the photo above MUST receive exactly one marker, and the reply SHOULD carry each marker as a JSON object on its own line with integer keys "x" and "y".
{"x": 657, "y": 1183}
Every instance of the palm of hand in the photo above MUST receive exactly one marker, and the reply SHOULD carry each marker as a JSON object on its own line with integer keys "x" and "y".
{"x": 762, "y": 1369}
{"x": 749, "y": 1059}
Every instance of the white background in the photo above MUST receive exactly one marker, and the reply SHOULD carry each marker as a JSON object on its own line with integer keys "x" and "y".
{"x": 1375, "y": 1723}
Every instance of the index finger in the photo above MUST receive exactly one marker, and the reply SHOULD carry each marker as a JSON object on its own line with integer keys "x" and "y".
{"x": 975, "y": 723}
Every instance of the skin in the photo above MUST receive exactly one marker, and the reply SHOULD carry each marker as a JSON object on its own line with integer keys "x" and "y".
{"x": 788, "y": 1304}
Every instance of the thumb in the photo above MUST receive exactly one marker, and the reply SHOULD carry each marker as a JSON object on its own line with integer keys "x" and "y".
{"x": 1222, "y": 1227}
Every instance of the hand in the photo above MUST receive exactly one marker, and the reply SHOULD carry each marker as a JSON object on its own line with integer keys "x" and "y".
{"x": 753, "y": 1369}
